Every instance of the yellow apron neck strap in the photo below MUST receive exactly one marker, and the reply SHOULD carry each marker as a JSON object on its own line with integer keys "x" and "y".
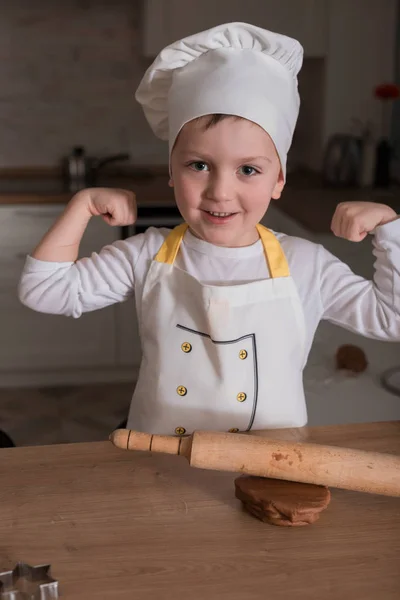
{"x": 168, "y": 251}
{"x": 276, "y": 260}
{"x": 274, "y": 254}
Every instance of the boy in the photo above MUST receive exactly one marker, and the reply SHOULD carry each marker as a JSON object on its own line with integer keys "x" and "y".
{"x": 227, "y": 309}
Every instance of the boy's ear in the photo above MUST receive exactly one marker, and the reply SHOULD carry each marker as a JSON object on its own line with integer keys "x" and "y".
{"x": 280, "y": 184}
{"x": 171, "y": 182}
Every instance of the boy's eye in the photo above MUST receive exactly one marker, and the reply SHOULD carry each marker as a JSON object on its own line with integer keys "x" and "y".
{"x": 248, "y": 170}
{"x": 199, "y": 166}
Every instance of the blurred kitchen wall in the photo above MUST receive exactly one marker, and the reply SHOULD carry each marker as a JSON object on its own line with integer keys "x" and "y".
{"x": 69, "y": 71}
{"x": 68, "y": 74}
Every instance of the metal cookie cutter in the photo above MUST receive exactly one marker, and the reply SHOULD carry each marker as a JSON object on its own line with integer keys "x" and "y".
{"x": 28, "y": 583}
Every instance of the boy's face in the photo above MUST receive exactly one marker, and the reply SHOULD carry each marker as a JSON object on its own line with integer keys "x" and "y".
{"x": 224, "y": 178}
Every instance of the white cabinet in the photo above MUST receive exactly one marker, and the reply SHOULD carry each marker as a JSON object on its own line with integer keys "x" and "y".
{"x": 168, "y": 20}
{"x": 32, "y": 340}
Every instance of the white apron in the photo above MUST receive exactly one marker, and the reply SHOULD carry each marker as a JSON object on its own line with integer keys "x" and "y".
{"x": 225, "y": 358}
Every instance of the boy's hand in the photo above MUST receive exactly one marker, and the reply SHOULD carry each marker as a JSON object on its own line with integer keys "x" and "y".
{"x": 116, "y": 207}
{"x": 355, "y": 220}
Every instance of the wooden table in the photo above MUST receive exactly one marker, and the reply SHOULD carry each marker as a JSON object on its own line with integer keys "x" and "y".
{"x": 118, "y": 525}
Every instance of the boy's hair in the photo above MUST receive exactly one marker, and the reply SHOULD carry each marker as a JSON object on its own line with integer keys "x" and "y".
{"x": 212, "y": 120}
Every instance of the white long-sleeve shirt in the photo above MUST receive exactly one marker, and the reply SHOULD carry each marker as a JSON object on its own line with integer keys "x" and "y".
{"x": 327, "y": 287}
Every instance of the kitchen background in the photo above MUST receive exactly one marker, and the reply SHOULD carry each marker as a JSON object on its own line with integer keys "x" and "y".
{"x": 68, "y": 75}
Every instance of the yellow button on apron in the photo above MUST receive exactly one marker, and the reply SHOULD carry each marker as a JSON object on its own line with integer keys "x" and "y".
{"x": 233, "y": 430}
{"x": 182, "y": 391}
{"x": 243, "y": 354}
{"x": 186, "y": 347}
{"x": 241, "y": 397}
{"x": 180, "y": 430}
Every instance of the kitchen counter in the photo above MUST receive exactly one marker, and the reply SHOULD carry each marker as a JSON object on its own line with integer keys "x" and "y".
{"x": 150, "y": 188}
{"x": 119, "y": 525}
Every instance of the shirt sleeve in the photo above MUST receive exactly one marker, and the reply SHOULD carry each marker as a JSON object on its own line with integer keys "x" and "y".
{"x": 370, "y": 308}
{"x": 72, "y": 288}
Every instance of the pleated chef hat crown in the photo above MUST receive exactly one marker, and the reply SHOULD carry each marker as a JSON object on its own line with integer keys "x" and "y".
{"x": 236, "y": 69}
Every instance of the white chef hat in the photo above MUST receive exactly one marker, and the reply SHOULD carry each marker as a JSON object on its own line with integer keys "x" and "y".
{"x": 236, "y": 69}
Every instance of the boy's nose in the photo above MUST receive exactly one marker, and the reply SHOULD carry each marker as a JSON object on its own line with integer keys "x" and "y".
{"x": 220, "y": 188}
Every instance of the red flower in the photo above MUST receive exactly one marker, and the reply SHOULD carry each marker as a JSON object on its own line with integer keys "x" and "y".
{"x": 387, "y": 91}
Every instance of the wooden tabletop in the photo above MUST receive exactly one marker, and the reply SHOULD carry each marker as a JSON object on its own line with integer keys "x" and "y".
{"x": 118, "y": 525}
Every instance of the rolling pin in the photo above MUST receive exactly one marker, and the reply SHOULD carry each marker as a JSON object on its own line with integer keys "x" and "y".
{"x": 331, "y": 466}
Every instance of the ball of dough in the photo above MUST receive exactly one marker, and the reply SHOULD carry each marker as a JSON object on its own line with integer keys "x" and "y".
{"x": 284, "y": 503}
{"x": 351, "y": 358}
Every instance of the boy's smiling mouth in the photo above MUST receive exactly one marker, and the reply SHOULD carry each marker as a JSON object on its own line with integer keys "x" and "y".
{"x": 218, "y": 217}
{"x": 219, "y": 214}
